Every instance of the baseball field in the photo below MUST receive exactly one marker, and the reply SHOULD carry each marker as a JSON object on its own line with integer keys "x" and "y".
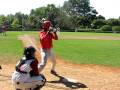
{"x": 90, "y": 60}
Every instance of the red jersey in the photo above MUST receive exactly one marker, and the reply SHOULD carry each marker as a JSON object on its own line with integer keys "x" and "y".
{"x": 46, "y": 39}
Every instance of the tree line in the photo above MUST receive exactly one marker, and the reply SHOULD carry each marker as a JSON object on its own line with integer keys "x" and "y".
{"x": 74, "y": 14}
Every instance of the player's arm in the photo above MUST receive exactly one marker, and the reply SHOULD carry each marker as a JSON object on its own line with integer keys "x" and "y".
{"x": 55, "y": 36}
{"x": 42, "y": 36}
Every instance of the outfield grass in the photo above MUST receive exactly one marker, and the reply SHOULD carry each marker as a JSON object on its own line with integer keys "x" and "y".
{"x": 102, "y": 52}
{"x": 89, "y": 34}
{"x": 10, "y": 47}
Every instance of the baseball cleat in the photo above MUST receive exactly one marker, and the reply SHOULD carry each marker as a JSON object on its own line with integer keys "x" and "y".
{"x": 54, "y": 72}
{"x": 0, "y": 67}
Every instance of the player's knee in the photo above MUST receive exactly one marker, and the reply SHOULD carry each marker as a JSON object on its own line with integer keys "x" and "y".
{"x": 41, "y": 66}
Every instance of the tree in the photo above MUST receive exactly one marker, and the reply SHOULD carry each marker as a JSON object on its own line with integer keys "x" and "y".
{"x": 41, "y": 12}
{"x": 116, "y": 29}
{"x": 101, "y": 17}
{"x": 77, "y": 7}
{"x": 67, "y": 7}
{"x": 52, "y": 13}
{"x": 15, "y": 24}
{"x": 29, "y": 22}
{"x": 106, "y": 28}
{"x": 113, "y": 22}
{"x": 64, "y": 22}
{"x": 97, "y": 24}
{"x": 10, "y": 19}
{"x": 82, "y": 12}
{"x": 90, "y": 17}
{"x": 2, "y": 19}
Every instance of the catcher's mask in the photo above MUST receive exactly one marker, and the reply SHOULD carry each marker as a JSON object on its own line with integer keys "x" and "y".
{"x": 46, "y": 25}
{"x": 29, "y": 51}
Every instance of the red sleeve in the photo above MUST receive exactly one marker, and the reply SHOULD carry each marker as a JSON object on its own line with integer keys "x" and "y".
{"x": 34, "y": 66}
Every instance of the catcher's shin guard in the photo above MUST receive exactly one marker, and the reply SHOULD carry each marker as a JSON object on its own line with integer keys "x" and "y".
{"x": 42, "y": 83}
{"x": 44, "y": 79}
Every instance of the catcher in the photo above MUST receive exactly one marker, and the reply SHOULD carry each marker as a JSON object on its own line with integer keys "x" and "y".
{"x": 26, "y": 75}
{"x": 46, "y": 36}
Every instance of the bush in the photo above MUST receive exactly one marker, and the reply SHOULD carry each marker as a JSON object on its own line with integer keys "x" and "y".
{"x": 116, "y": 29}
{"x": 14, "y": 29}
{"x": 106, "y": 28}
{"x": 97, "y": 24}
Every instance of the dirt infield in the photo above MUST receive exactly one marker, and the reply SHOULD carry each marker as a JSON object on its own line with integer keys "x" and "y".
{"x": 82, "y": 77}
{"x": 72, "y": 77}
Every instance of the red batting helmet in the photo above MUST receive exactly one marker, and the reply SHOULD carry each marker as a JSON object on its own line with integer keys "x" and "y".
{"x": 46, "y": 24}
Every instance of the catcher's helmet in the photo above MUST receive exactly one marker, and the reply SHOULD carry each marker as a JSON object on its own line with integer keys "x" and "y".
{"x": 29, "y": 51}
{"x": 46, "y": 25}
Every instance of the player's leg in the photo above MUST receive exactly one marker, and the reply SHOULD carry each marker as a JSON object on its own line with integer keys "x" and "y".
{"x": 44, "y": 57}
{"x": 53, "y": 60}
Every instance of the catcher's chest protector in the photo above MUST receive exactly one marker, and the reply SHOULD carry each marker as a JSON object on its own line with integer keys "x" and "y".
{"x": 24, "y": 66}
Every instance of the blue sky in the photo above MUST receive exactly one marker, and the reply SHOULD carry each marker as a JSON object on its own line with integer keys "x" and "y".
{"x": 107, "y": 8}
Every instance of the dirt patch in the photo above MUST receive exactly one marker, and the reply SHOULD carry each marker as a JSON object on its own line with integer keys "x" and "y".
{"x": 71, "y": 76}
{"x": 82, "y": 77}
{"x": 91, "y": 37}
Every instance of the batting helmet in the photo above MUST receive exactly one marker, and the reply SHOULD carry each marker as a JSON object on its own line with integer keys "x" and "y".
{"x": 46, "y": 25}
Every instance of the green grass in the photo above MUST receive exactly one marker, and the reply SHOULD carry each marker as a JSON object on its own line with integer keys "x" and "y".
{"x": 89, "y": 34}
{"x": 101, "y": 52}
{"x": 11, "y": 48}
